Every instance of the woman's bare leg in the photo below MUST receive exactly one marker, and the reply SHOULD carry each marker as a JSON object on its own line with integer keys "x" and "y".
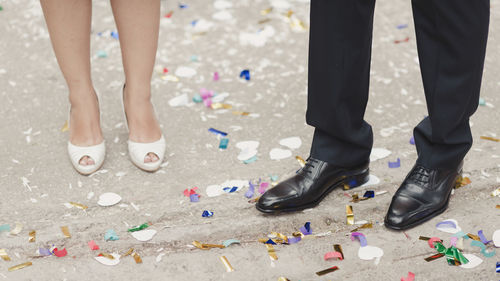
{"x": 69, "y": 24}
{"x": 138, "y": 23}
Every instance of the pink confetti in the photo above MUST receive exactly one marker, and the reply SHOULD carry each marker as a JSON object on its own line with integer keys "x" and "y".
{"x": 411, "y": 277}
{"x": 333, "y": 255}
{"x": 93, "y": 246}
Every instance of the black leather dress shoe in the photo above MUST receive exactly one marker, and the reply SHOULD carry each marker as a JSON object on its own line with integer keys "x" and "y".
{"x": 424, "y": 194}
{"x": 310, "y": 185}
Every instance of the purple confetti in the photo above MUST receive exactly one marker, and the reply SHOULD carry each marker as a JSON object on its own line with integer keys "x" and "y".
{"x": 194, "y": 197}
{"x": 306, "y": 229}
{"x": 396, "y": 164}
{"x": 293, "y": 240}
{"x": 217, "y": 132}
{"x": 412, "y": 140}
{"x": 251, "y": 190}
{"x": 207, "y": 214}
{"x": 44, "y": 252}
{"x": 450, "y": 223}
{"x": 402, "y": 26}
{"x": 483, "y": 238}
{"x": 361, "y": 237}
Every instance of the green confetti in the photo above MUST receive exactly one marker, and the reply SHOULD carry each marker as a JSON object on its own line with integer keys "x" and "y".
{"x": 140, "y": 227}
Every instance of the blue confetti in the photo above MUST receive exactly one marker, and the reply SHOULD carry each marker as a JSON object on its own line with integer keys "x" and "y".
{"x": 111, "y": 235}
{"x": 4, "y": 227}
{"x": 230, "y": 189}
{"x": 194, "y": 197}
{"x": 369, "y": 194}
{"x": 245, "y": 74}
{"x": 396, "y": 164}
{"x": 217, "y": 132}
{"x": 207, "y": 214}
{"x": 251, "y": 160}
{"x": 498, "y": 267}
{"x": 402, "y": 26}
{"x": 114, "y": 34}
{"x": 306, "y": 229}
{"x": 223, "y": 143}
{"x": 270, "y": 241}
{"x": 182, "y": 6}
{"x": 193, "y": 23}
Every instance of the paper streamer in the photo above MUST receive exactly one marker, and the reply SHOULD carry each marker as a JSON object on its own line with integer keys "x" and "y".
{"x": 332, "y": 255}
{"x": 475, "y": 243}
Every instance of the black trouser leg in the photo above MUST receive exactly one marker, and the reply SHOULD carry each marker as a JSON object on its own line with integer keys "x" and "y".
{"x": 451, "y": 40}
{"x": 339, "y": 74}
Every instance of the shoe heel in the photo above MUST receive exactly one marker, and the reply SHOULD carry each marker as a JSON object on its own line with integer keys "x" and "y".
{"x": 356, "y": 181}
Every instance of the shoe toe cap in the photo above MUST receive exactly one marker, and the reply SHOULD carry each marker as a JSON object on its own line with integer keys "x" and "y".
{"x": 276, "y": 197}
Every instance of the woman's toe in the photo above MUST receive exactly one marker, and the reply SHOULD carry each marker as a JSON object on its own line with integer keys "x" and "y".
{"x": 90, "y": 161}
{"x": 84, "y": 161}
{"x": 150, "y": 158}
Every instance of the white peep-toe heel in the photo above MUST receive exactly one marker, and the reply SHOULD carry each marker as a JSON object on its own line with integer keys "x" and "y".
{"x": 138, "y": 150}
{"x": 96, "y": 152}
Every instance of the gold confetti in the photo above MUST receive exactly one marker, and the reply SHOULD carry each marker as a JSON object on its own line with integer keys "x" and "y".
{"x": 20, "y": 266}
{"x": 65, "y": 127}
{"x": 283, "y": 279}
{"x": 349, "y": 215}
{"x": 129, "y": 252}
{"x": 202, "y": 246}
{"x": 266, "y": 11}
{"x": 462, "y": 181}
{"x": 226, "y": 263}
{"x": 366, "y": 225}
{"x": 301, "y": 161}
{"x": 32, "y": 237}
{"x": 65, "y": 231}
{"x": 218, "y": 105}
{"x": 326, "y": 271}
{"x": 136, "y": 257}
{"x": 338, "y": 248}
{"x": 78, "y": 205}
{"x": 474, "y": 237}
{"x": 346, "y": 186}
{"x": 271, "y": 252}
{"x": 242, "y": 113}
{"x": 108, "y": 256}
{"x": 282, "y": 238}
{"x": 264, "y": 21}
{"x": 498, "y": 206}
{"x": 4, "y": 255}
{"x": 355, "y": 198}
{"x": 289, "y": 14}
{"x": 490, "y": 138}
{"x": 496, "y": 192}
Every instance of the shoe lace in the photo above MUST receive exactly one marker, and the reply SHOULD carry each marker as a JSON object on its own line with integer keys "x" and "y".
{"x": 310, "y": 165}
{"x": 420, "y": 175}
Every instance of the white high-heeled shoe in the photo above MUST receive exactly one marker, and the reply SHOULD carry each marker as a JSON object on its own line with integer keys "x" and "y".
{"x": 96, "y": 152}
{"x": 138, "y": 150}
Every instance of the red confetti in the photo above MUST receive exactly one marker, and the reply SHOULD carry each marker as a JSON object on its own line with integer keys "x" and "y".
{"x": 402, "y": 41}
{"x": 93, "y": 246}
{"x": 411, "y": 277}
{"x": 61, "y": 253}
{"x": 169, "y": 15}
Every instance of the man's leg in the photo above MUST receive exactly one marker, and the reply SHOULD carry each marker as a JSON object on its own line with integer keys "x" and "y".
{"x": 451, "y": 39}
{"x": 339, "y": 74}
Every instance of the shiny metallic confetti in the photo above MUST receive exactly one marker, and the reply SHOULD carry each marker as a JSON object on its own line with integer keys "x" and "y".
{"x": 4, "y": 255}
{"x": 202, "y": 246}
{"x": 139, "y": 227}
{"x": 349, "y": 215}
{"x": 301, "y": 161}
{"x": 226, "y": 263}
{"x": 266, "y": 11}
{"x": 20, "y": 266}
{"x": 32, "y": 236}
{"x": 338, "y": 248}
{"x": 65, "y": 127}
{"x": 462, "y": 181}
{"x": 106, "y": 255}
{"x": 65, "y": 231}
{"x": 490, "y": 138}
{"x": 79, "y": 206}
{"x": 271, "y": 252}
{"x": 366, "y": 225}
{"x": 136, "y": 257}
{"x": 128, "y": 253}
{"x": 326, "y": 271}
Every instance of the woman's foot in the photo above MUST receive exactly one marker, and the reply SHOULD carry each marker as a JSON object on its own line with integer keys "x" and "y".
{"x": 142, "y": 123}
{"x": 84, "y": 127}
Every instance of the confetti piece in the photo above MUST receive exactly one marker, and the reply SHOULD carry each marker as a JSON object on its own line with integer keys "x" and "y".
{"x": 136, "y": 257}
{"x": 301, "y": 161}
{"x": 369, "y": 194}
{"x": 65, "y": 231}
{"x": 92, "y": 245}
{"x": 263, "y": 186}
{"x": 226, "y": 263}
{"x": 217, "y": 132}
{"x": 44, "y": 252}
{"x": 144, "y": 235}
{"x": 114, "y": 34}
{"x": 483, "y": 238}
{"x": 251, "y": 160}
{"x": 279, "y": 154}
{"x": 412, "y": 140}
{"x": 411, "y": 277}
{"x": 4, "y": 255}
{"x": 370, "y": 253}
{"x": 495, "y": 192}
{"x": 65, "y": 127}
{"x": 60, "y": 253}
{"x": 271, "y": 252}
{"x": 349, "y": 215}
{"x": 496, "y": 238}
{"x": 396, "y": 164}
{"x": 402, "y": 41}
{"x": 229, "y": 242}
{"x": 332, "y": 255}
{"x": 251, "y": 190}
{"x": 185, "y": 72}
{"x": 207, "y": 214}
{"x": 474, "y": 261}
{"x": 111, "y": 235}
{"x": 181, "y": 100}
{"x": 361, "y": 237}
{"x": 326, "y": 271}
{"x": 338, "y": 249}
{"x": 109, "y": 199}
{"x": 230, "y": 189}
{"x": 216, "y": 76}
{"x": 194, "y": 198}
{"x": 283, "y": 279}
{"x": 379, "y": 153}
{"x": 245, "y": 74}
{"x": 449, "y": 226}
{"x": 20, "y": 266}
{"x": 490, "y": 138}
{"x": 282, "y": 238}
{"x": 498, "y": 267}
{"x": 106, "y": 260}
{"x": 363, "y": 226}
{"x": 139, "y": 227}
{"x": 306, "y": 229}
{"x": 102, "y": 54}
{"x": 403, "y": 26}
{"x": 78, "y": 205}
{"x": 292, "y": 142}
{"x": 4, "y": 227}
{"x": 32, "y": 236}
{"x": 266, "y": 11}
{"x": 462, "y": 181}
{"x": 479, "y": 244}
{"x": 203, "y": 246}
{"x": 223, "y": 143}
